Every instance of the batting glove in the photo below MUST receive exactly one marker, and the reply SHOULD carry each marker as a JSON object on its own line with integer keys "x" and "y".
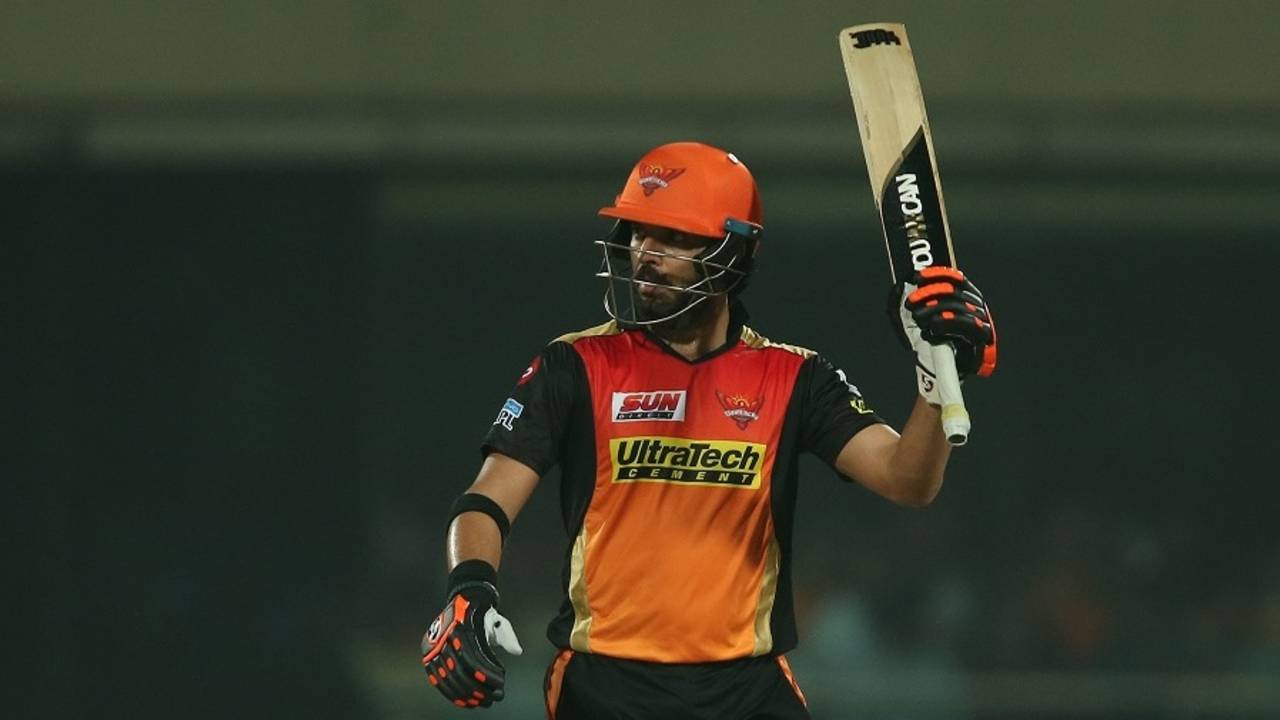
{"x": 457, "y": 650}
{"x": 940, "y": 305}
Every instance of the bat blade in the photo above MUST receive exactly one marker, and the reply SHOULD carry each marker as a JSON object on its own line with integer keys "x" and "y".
{"x": 898, "y": 148}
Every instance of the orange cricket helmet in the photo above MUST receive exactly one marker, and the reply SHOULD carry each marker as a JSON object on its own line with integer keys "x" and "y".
{"x": 695, "y": 189}
{"x": 691, "y": 187}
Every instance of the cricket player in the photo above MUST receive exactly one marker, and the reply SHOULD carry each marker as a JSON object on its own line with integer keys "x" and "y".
{"x": 677, "y": 428}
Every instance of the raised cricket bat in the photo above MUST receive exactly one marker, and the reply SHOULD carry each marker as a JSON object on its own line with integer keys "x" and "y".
{"x": 904, "y": 176}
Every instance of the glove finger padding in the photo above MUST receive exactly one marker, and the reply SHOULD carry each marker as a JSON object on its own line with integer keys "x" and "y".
{"x": 456, "y": 655}
{"x": 946, "y": 307}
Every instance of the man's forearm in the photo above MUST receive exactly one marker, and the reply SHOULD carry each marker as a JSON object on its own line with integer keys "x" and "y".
{"x": 474, "y": 536}
{"x": 920, "y": 457}
{"x": 504, "y": 485}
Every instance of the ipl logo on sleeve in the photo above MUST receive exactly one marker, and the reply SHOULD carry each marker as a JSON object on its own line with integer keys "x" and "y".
{"x": 508, "y": 414}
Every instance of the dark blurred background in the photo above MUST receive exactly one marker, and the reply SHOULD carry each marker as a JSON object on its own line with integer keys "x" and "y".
{"x": 271, "y": 268}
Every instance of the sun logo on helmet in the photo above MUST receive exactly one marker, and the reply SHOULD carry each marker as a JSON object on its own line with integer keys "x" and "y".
{"x": 653, "y": 177}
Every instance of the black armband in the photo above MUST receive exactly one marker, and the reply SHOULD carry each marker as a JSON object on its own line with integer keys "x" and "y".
{"x": 475, "y": 502}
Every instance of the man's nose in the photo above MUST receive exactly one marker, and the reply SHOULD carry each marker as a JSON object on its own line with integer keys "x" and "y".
{"x": 647, "y": 251}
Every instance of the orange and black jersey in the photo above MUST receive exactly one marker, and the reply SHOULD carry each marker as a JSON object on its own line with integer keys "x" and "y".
{"x": 678, "y": 485}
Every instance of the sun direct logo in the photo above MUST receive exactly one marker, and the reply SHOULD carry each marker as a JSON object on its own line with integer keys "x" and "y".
{"x": 660, "y": 405}
{"x": 719, "y": 463}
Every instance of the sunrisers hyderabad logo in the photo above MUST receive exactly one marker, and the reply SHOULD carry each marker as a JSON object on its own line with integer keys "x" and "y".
{"x": 739, "y": 409}
{"x": 653, "y": 177}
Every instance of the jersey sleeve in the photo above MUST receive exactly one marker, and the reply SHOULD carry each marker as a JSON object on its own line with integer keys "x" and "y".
{"x": 834, "y": 410}
{"x": 531, "y": 423}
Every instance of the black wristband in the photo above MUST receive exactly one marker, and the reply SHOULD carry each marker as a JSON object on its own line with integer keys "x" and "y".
{"x": 472, "y": 573}
{"x": 475, "y": 502}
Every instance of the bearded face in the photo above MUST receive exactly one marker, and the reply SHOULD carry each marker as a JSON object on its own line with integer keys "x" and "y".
{"x": 663, "y": 277}
{"x": 658, "y": 299}
{"x": 659, "y": 268}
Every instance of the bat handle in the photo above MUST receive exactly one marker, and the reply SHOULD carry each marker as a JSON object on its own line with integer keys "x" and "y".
{"x": 955, "y": 418}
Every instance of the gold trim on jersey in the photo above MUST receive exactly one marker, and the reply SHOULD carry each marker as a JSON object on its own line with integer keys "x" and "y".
{"x": 757, "y": 341}
{"x": 580, "y": 635}
{"x": 608, "y": 328}
{"x": 764, "y": 605}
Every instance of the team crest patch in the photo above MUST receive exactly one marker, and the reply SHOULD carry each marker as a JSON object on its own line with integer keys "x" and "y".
{"x": 739, "y": 409}
{"x": 654, "y": 177}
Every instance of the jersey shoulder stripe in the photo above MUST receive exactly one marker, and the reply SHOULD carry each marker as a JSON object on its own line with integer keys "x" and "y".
{"x": 608, "y": 328}
{"x": 753, "y": 339}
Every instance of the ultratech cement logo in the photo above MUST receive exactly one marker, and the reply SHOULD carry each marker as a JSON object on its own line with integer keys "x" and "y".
{"x": 691, "y": 462}
{"x": 661, "y": 405}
